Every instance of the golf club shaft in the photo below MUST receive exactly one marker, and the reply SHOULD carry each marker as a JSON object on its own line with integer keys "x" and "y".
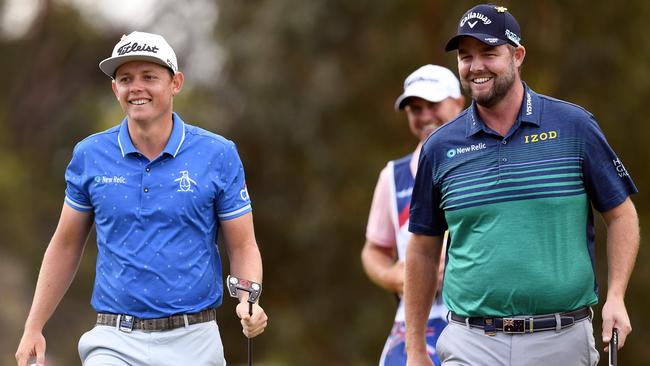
{"x": 250, "y": 341}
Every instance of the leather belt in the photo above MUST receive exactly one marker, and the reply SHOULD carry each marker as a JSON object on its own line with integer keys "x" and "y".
{"x": 127, "y": 323}
{"x": 525, "y": 324}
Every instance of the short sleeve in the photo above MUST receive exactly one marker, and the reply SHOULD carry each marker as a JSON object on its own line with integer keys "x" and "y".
{"x": 607, "y": 181}
{"x": 426, "y": 217}
{"x": 380, "y": 229}
{"x": 76, "y": 192}
{"x": 232, "y": 198}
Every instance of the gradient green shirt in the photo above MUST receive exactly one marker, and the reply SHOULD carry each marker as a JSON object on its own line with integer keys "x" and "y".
{"x": 518, "y": 208}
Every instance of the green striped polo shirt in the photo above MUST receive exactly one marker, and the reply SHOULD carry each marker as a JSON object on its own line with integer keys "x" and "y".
{"x": 518, "y": 208}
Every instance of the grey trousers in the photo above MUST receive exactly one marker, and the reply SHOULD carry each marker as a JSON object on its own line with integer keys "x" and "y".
{"x": 575, "y": 345}
{"x": 198, "y": 344}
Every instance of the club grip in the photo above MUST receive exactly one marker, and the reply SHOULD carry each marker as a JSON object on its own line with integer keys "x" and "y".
{"x": 613, "y": 347}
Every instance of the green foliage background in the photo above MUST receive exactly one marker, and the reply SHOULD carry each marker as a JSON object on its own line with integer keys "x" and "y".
{"x": 306, "y": 90}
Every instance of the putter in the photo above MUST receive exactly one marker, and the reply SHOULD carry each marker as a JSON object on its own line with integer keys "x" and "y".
{"x": 254, "y": 289}
{"x": 613, "y": 347}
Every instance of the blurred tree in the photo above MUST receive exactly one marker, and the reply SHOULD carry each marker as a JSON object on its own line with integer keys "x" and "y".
{"x": 307, "y": 92}
{"x": 50, "y": 101}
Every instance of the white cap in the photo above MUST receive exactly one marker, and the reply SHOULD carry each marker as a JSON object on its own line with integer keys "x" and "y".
{"x": 140, "y": 46}
{"x": 430, "y": 82}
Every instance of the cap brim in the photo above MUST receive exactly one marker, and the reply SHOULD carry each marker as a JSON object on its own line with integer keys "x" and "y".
{"x": 111, "y": 64}
{"x": 433, "y": 95}
{"x": 452, "y": 44}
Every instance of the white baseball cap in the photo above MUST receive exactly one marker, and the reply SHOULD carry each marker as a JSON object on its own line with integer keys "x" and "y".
{"x": 140, "y": 46}
{"x": 430, "y": 82}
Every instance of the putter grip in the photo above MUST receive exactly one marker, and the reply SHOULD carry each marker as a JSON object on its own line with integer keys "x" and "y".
{"x": 613, "y": 347}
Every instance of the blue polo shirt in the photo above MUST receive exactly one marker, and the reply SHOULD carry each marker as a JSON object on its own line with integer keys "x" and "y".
{"x": 518, "y": 208}
{"x": 157, "y": 221}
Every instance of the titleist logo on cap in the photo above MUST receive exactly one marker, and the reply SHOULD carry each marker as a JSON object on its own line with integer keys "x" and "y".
{"x": 135, "y": 47}
{"x": 140, "y": 46}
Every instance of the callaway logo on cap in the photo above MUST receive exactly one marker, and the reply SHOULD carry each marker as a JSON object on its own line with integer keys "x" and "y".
{"x": 490, "y": 24}
{"x": 140, "y": 46}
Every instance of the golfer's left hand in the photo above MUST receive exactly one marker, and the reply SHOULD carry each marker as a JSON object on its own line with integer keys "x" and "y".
{"x": 615, "y": 316}
{"x": 254, "y": 325}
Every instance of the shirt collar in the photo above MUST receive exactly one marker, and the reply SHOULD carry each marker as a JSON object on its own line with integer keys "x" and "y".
{"x": 529, "y": 112}
{"x": 174, "y": 142}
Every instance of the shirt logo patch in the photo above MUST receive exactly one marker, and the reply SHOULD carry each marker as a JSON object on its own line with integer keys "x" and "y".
{"x": 620, "y": 169}
{"x": 536, "y": 137}
{"x": 244, "y": 194}
{"x": 465, "y": 149}
{"x": 102, "y": 179}
{"x": 185, "y": 182}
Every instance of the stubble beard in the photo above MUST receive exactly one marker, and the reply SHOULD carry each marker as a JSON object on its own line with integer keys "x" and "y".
{"x": 499, "y": 90}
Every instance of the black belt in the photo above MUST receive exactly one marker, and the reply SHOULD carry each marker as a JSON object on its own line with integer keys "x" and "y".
{"x": 525, "y": 324}
{"x": 129, "y": 322}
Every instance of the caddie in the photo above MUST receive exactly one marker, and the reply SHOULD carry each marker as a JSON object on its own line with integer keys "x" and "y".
{"x": 431, "y": 98}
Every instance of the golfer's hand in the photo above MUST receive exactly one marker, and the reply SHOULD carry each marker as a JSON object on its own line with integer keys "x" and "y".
{"x": 253, "y": 325}
{"x": 615, "y": 316}
{"x": 32, "y": 345}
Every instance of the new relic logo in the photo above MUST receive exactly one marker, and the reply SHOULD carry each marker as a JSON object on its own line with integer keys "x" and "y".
{"x": 102, "y": 179}
{"x": 465, "y": 149}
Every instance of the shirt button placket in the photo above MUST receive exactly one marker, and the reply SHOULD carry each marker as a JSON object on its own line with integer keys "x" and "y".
{"x": 146, "y": 184}
{"x": 503, "y": 159}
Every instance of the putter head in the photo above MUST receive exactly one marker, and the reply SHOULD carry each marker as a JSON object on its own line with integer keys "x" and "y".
{"x": 253, "y": 288}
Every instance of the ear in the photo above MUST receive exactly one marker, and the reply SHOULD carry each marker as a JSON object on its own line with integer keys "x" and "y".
{"x": 114, "y": 87}
{"x": 177, "y": 83}
{"x": 520, "y": 54}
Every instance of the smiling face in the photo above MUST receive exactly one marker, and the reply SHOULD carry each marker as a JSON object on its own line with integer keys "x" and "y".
{"x": 145, "y": 90}
{"x": 425, "y": 117}
{"x": 486, "y": 72}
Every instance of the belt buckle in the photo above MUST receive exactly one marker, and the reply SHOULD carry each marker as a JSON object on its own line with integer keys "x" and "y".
{"x": 514, "y": 325}
{"x": 489, "y": 327}
{"x": 126, "y": 323}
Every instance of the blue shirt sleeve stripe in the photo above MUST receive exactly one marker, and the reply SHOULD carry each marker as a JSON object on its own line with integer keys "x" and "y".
{"x": 77, "y": 206}
{"x": 236, "y": 213}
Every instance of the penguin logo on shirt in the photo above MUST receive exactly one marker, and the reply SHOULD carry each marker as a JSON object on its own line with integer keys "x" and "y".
{"x": 185, "y": 182}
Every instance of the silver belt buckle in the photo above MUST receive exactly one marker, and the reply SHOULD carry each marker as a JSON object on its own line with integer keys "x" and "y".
{"x": 514, "y": 325}
{"x": 126, "y": 323}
